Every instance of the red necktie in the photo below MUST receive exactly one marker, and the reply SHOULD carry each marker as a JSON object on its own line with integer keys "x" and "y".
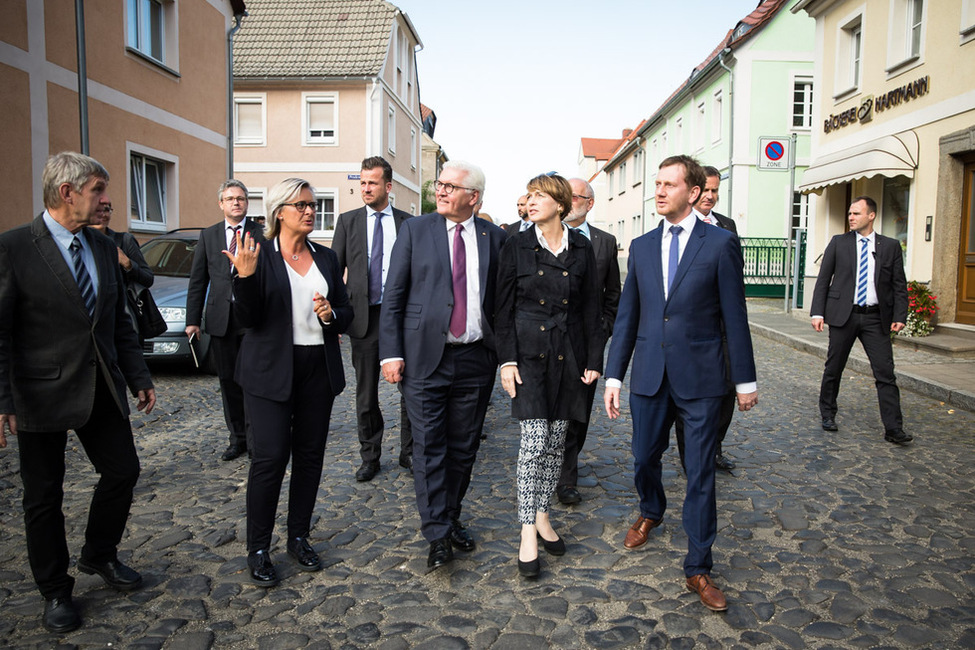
{"x": 458, "y": 317}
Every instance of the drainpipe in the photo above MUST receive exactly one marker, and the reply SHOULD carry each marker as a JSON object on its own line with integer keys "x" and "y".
{"x": 79, "y": 21}
{"x": 731, "y": 129}
{"x": 230, "y": 93}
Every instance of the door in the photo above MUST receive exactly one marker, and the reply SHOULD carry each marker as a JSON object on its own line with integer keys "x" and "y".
{"x": 966, "y": 256}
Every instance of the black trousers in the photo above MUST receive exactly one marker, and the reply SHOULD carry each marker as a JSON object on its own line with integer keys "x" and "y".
{"x": 294, "y": 430}
{"x": 877, "y": 345}
{"x": 369, "y": 417}
{"x": 224, "y": 350}
{"x": 107, "y": 440}
{"x": 575, "y": 439}
{"x": 728, "y": 405}
{"x": 447, "y": 411}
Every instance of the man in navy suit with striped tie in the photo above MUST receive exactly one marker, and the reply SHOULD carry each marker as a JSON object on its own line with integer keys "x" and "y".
{"x": 861, "y": 293}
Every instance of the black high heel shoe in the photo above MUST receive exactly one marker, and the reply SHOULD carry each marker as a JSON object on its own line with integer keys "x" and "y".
{"x": 553, "y": 548}
{"x": 529, "y": 569}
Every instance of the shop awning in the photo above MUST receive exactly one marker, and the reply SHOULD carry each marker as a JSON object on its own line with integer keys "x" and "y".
{"x": 892, "y": 155}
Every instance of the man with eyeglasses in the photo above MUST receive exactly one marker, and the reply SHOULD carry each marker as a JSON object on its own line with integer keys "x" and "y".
{"x": 523, "y": 223}
{"x": 436, "y": 339}
{"x": 211, "y": 269}
{"x": 608, "y": 272}
{"x": 363, "y": 242}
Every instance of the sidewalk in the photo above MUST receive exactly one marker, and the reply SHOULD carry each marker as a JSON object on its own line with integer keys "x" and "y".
{"x": 948, "y": 380}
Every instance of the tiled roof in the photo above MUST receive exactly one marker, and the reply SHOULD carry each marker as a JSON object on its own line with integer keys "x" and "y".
{"x": 313, "y": 38}
{"x": 600, "y": 148}
{"x": 425, "y": 111}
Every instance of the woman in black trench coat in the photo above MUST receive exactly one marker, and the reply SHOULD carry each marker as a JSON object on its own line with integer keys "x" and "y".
{"x": 549, "y": 346}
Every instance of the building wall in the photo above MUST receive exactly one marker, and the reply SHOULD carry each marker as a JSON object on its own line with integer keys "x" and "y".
{"x": 176, "y": 110}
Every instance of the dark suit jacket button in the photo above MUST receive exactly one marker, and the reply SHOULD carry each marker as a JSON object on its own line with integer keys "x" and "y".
{"x": 541, "y": 272}
{"x": 542, "y": 301}
{"x": 666, "y": 318}
{"x": 565, "y": 301}
{"x": 565, "y": 273}
{"x": 542, "y": 328}
{"x": 561, "y": 358}
{"x": 93, "y": 362}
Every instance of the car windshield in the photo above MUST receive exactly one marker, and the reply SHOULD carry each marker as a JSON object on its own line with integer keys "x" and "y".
{"x": 172, "y": 257}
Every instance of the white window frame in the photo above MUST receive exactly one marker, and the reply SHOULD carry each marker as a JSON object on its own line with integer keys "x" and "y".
{"x": 700, "y": 121}
{"x": 849, "y": 56}
{"x": 639, "y": 165}
{"x": 391, "y": 129}
{"x": 966, "y": 31}
{"x": 255, "y": 202}
{"x": 807, "y": 103}
{"x": 250, "y": 99}
{"x": 413, "y": 148}
{"x": 138, "y": 34}
{"x": 168, "y": 195}
{"x": 319, "y": 98}
{"x": 612, "y": 175}
{"x": 717, "y": 116}
{"x": 322, "y": 194}
{"x": 901, "y": 52}
{"x": 622, "y": 183}
{"x": 679, "y": 133}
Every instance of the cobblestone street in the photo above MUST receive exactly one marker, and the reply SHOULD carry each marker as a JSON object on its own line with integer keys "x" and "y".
{"x": 824, "y": 540}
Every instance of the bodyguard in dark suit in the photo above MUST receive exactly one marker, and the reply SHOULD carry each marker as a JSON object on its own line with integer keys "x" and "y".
{"x": 67, "y": 352}
{"x": 212, "y": 270}
{"x": 861, "y": 293}
{"x": 523, "y": 222}
{"x": 608, "y": 280}
{"x": 684, "y": 281}
{"x": 704, "y": 209}
{"x": 436, "y": 336}
{"x": 363, "y": 242}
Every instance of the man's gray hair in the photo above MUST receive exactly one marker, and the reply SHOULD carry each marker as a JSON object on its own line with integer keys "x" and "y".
{"x": 230, "y": 182}
{"x": 69, "y": 167}
{"x": 474, "y": 176}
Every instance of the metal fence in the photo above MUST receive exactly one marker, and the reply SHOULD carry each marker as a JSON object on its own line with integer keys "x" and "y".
{"x": 766, "y": 270}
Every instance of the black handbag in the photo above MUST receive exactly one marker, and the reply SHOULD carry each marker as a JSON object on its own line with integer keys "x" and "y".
{"x": 145, "y": 314}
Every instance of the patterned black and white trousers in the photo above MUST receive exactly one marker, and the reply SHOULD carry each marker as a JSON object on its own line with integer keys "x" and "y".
{"x": 539, "y": 465}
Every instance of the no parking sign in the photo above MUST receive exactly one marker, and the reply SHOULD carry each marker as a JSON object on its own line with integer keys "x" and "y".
{"x": 773, "y": 153}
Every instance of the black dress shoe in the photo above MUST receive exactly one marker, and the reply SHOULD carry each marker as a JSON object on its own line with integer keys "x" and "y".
{"x": 60, "y": 615}
{"x": 897, "y": 436}
{"x": 235, "y": 450}
{"x": 406, "y": 462}
{"x": 568, "y": 495}
{"x": 553, "y": 548}
{"x": 459, "y": 536}
{"x": 304, "y": 554}
{"x": 829, "y": 424}
{"x": 529, "y": 569}
{"x": 367, "y": 472}
{"x": 721, "y": 462}
{"x": 114, "y": 573}
{"x": 262, "y": 569}
{"x": 440, "y": 553}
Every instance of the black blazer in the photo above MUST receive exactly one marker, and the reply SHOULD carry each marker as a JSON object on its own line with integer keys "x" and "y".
{"x": 350, "y": 244}
{"x": 725, "y": 222}
{"x": 836, "y": 283}
{"x": 265, "y": 363}
{"x": 140, "y": 271}
{"x": 51, "y": 350}
{"x": 211, "y": 268}
{"x": 607, "y": 275}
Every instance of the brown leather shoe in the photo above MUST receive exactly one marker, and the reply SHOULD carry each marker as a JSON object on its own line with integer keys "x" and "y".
{"x": 710, "y": 595}
{"x": 637, "y": 535}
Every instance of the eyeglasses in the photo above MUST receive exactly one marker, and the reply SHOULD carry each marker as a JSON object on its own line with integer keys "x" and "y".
{"x": 301, "y": 206}
{"x": 235, "y": 199}
{"x": 448, "y": 188}
{"x": 576, "y": 197}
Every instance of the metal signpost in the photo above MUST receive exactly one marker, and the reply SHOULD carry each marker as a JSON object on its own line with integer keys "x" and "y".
{"x": 779, "y": 154}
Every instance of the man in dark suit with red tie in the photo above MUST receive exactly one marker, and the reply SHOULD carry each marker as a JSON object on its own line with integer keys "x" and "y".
{"x": 212, "y": 270}
{"x": 861, "y": 293}
{"x": 704, "y": 209}
{"x": 436, "y": 336}
{"x": 363, "y": 242}
{"x": 684, "y": 293}
{"x": 608, "y": 279}
{"x": 68, "y": 351}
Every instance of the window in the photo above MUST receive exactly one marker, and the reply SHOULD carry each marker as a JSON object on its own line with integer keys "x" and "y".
{"x": 321, "y": 118}
{"x": 800, "y": 211}
{"x": 699, "y": 122}
{"x": 325, "y": 212}
{"x": 802, "y": 103}
{"x": 248, "y": 120}
{"x": 915, "y": 24}
{"x": 967, "y": 29}
{"x": 622, "y": 183}
{"x": 717, "y": 116}
{"x": 679, "y": 134}
{"x": 611, "y": 179}
{"x": 151, "y": 30}
{"x": 895, "y": 210}
{"x": 639, "y": 166}
{"x": 848, "y": 58}
{"x": 391, "y": 130}
{"x": 413, "y": 148}
{"x": 905, "y": 35}
{"x": 255, "y": 203}
{"x": 149, "y": 180}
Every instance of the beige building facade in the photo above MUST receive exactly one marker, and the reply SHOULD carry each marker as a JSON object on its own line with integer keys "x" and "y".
{"x": 157, "y": 86}
{"x": 315, "y": 107}
{"x": 895, "y": 120}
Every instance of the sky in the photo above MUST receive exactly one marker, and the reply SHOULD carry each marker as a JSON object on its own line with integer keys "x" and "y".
{"x": 515, "y": 85}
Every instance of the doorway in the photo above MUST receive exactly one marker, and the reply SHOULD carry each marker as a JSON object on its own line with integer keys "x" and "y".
{"x": 966, "y": 256}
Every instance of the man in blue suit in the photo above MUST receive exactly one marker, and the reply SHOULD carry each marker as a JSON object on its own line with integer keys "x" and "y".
{"x": 436, "y": 336}
{"x": 684, "y": 280}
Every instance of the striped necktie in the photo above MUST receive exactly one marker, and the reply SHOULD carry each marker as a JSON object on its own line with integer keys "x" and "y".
{"x": 82, "y": 277}
{"x": 862, "y": 273}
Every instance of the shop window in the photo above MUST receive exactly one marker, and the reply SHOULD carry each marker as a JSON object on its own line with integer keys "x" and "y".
{"x": 895, "y": 210}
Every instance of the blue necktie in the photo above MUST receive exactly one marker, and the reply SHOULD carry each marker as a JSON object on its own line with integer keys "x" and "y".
{"x": 862, "y": 274}
{"x": 376, "y": 263}
{"x": 674, "y": 260}
{"x": 82, "y": 277}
